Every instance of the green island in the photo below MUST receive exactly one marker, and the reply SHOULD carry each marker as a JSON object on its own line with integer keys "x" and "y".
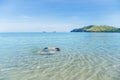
{"x": 97, "y": 28}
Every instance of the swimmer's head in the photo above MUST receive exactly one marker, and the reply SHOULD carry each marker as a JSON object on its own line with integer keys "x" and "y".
{"x": 58, "y": 49}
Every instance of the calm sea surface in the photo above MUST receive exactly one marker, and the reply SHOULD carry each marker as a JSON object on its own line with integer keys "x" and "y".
{"x": 83, "y": 56}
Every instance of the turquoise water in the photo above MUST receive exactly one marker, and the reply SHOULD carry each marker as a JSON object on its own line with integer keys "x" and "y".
{"x": 83, "y": 56}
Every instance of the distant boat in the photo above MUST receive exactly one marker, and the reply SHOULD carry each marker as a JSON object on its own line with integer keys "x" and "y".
{"x": 54, "y": 31}
{"x": 44, "y": 32}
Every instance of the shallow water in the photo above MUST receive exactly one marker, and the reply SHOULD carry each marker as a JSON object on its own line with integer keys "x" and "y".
{"x": 83, "y": 56}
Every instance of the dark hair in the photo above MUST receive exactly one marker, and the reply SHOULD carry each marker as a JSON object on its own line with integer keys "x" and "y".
{"x": 58, "y": 49}
{"x": 46, "y": 48}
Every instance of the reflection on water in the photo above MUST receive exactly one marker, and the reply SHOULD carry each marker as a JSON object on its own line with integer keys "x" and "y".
{"x": 83, "y": 56}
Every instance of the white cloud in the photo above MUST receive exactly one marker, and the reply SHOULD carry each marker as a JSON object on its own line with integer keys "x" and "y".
{"x": 33, "y": 26}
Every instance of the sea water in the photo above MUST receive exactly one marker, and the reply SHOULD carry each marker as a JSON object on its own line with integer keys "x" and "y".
{"x": 83, "y": 56}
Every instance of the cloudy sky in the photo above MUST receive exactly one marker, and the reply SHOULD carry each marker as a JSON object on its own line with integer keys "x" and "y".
{"x": 56, "y": 15}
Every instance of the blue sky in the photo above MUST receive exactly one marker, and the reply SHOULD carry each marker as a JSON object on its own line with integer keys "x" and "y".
{"x": 56, "y": 15}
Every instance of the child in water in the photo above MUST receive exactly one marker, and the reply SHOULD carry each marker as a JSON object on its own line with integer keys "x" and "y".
{"x": 49, "y": 50}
